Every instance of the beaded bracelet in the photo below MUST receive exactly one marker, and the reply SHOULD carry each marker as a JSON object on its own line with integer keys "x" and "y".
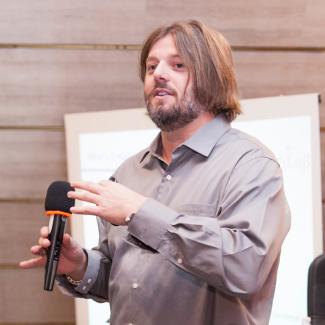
{"x": 72, "y": 281}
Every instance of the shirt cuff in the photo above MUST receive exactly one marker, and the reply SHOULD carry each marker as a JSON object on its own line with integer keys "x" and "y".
{"x": 151, "y": 222}
{"x": 91, "y": 272}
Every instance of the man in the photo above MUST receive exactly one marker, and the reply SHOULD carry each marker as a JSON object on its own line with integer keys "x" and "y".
{"x": 191, "y": 231}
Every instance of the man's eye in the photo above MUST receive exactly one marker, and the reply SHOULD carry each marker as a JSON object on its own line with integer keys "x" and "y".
{"x": 180, "y": 65}
{"x": 150, "y": 67}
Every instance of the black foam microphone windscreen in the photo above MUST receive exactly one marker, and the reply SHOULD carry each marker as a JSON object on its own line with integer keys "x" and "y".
{"x": 57, "y": 207}
{"x": 56, "y": 197}
{"x": 316, "y": 291}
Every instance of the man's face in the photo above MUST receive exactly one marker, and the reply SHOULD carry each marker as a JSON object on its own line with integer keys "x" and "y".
{"x": 168, "y": 87}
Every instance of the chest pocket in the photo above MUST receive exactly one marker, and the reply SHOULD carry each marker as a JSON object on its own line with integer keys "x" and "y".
{"x": 204, "y": 210}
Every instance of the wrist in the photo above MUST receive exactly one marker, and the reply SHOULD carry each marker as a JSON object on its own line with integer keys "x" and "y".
{"x": 128, "y": 218}
{"x": 134, "y": 209}
{"x": 80, "y": 270}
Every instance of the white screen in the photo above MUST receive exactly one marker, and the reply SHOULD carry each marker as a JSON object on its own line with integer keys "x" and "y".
{"x": 294, "y": 155}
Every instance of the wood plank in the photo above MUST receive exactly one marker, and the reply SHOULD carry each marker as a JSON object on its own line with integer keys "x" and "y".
{"x": 74, "y": 21}
{"x": 261, "y": 23}
{"x": 23, "y": 300}
{"x": 21, "y": 221}
{"x": 264, "y": 73}
{"x": 29, "y": 162}
{"x": 291, "y": 23}
{"x": 38, "y": 86}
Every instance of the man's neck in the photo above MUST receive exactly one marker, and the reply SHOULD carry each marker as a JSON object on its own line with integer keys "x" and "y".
{"x": 171, "y": 140}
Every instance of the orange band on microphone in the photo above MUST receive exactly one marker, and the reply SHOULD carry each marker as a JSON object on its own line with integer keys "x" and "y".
{"x": 65, "y": 214}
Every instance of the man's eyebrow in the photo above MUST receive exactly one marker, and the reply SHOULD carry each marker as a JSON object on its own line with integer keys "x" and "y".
{"x": 153, "y": 58}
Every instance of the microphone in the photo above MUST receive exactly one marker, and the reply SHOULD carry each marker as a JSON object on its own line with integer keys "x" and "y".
{"x": 57, "y": 207}
{"x": 316, "y": 291}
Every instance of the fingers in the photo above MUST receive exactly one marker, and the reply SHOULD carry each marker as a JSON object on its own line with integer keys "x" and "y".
{"x": 84, "y": 196}
{"x": 44, "y": 232}
{"x": 44, "y": 242}
{"x": 91, "y": 192}
{"x": 92, "y": 210}
{"x": 87, "y": 186}
{"x": 38, "y": 250}
{"x": 34, "y": 262}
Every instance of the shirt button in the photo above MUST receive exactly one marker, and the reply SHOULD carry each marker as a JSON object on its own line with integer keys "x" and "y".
{"x": 179, "y": 261}
{"x": 169, "y": 177}
{"x": 84, "y": 288}
{"x": 89, "y": 281}
{"x": 134, "y": 285}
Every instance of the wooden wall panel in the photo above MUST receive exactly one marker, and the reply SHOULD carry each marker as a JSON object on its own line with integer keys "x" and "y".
{"x": 38, "y": 86}
{"x": 29, "y": 162}
{"x": 255, "y": 23}
{"x": 315, "y": 20}
{"x": 74, "y": 21}
{"x": 23, "y": 300}
{"x": 268, "y": 73}
{"x": 20, "y": 221}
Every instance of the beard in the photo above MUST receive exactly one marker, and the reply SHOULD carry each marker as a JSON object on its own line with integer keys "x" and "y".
{"x": 171, "y": 118}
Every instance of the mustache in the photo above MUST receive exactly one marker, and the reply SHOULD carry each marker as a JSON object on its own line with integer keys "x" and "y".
{"x": 162, "y": 85}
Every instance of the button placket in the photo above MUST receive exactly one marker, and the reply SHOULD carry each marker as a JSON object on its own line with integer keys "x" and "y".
{"x": 164, "y": 186}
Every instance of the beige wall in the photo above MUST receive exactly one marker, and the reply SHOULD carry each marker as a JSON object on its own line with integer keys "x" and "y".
{"x": 60, "y": 57}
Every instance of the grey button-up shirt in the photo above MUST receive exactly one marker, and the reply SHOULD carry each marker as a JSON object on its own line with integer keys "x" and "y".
{"x": 204, "y": 248}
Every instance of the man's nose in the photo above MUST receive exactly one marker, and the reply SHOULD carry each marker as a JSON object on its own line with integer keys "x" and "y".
{"x": 161, "y": 72}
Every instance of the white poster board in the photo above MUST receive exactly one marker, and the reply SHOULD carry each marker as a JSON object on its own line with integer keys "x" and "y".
{"x": 289, "y": 125}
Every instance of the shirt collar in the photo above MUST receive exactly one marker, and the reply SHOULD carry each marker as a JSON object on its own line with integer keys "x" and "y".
{"x": 202, "y": 141}
{"x": 152, "y": 150}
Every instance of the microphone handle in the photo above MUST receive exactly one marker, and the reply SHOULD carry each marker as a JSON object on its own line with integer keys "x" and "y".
{"x": 56, "y": 227}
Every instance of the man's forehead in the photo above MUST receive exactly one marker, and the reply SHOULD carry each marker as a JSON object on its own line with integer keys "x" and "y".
{"x": 164, "y": 46}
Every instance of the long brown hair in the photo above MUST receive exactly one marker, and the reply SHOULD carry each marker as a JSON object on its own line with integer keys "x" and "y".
{"x": 208, "y": 55}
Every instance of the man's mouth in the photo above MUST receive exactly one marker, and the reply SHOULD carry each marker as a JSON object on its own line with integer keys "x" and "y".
{"x": 161, "y": 92}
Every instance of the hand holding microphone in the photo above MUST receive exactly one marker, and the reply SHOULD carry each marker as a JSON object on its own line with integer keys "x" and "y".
{"x": 59, "y": 253}
{"x": 57, "y": 207}
{"x": 72, "y": 259}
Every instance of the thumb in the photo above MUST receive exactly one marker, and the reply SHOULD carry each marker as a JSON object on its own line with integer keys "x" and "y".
{"x": 69, "y": 244}
{"x": 67, "y": 241}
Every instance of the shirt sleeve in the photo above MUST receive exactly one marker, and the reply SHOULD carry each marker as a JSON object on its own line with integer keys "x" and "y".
{"x": 234, "y": 251}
